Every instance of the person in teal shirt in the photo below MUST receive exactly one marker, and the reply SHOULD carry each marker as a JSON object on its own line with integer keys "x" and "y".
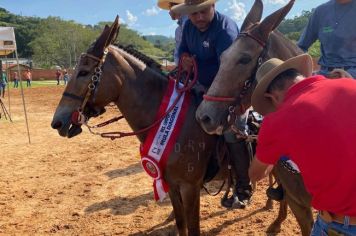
{"x": 3, "y": 82}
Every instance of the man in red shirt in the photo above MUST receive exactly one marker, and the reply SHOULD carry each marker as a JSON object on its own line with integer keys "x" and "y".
{"x": 311, "y": 120}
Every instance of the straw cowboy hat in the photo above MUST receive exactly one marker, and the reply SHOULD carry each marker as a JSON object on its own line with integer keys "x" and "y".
{"x": 270, "y": 70}
{"x": 166, "y": 4}
{"x": 191, "y": 6}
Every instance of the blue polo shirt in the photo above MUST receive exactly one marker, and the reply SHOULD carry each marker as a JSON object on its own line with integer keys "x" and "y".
{"x": 178, "y": 36}
{"x": 208, "y": 46}
{"x": 334, "y": 25}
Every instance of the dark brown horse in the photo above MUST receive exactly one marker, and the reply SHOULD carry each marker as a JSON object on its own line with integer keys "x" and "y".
{"x": 239, "y": 63}
{"x": 137, "y": 90}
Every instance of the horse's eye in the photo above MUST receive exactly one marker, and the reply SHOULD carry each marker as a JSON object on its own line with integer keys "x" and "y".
{"x": 83, "y": 73}
{"x": 244, "y": 60}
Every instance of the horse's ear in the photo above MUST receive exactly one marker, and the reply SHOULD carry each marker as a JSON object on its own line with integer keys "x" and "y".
{"x": 114, "y": 31}
{"x": 107, "y": 37}
{"x": 253, "y": 16}
{"x": 99, "y": 45}
{"x": 272, "y": 21}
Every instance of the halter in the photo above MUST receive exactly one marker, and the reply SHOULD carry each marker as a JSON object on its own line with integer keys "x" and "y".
{"x": 237, "y": 101}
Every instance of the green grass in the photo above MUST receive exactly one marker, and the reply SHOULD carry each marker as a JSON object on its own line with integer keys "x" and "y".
{"x": 35, "y": 84}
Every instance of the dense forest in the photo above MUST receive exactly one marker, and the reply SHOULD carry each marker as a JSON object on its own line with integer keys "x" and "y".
{"x": 52, "y": 41}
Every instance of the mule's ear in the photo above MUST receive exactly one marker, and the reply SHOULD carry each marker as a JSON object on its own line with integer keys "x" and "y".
{"x": 107, "y": 37}
{"x": 253, "y": 16}
{"x": 99, "y": 45}
{"x": 114, "y": 31}
{"x": 272, "y": 21}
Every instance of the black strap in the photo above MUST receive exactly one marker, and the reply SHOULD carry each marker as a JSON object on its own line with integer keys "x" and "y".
{"x": 73, "y": 96}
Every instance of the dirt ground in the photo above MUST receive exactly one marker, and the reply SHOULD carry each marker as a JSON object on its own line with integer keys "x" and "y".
{"x": 94, "y": 186}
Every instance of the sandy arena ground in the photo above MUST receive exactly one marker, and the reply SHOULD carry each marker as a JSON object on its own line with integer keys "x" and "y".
{"x": 94, "y": 186}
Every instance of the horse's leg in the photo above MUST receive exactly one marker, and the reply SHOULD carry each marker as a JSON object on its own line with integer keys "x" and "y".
{"x": 269, "y": 202}
{"x": 275, "y": 227}
{"x": 303, "y": 214}
{"x": 191, "y": 202}
{"x": 297, "y": 197}
{"x": 178, "y": 209}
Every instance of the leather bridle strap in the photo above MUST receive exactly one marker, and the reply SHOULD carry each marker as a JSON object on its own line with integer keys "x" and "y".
{"x": 73, "y": 96}
{"x": 78, "y": 117}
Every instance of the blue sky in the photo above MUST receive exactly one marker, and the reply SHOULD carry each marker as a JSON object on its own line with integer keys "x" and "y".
{"x": 140, "y": 15}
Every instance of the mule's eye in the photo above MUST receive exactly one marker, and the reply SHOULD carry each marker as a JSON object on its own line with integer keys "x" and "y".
{"x": 244, "y": 60}
{"x": 83, "y": 73}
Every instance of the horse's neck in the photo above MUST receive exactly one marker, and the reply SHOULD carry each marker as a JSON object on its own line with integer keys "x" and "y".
{"x": 281, "y": 47}
{"x": 140, "y": 96}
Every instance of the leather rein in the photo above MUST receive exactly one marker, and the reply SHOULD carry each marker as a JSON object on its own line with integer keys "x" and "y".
{"x": 79, "y": 118}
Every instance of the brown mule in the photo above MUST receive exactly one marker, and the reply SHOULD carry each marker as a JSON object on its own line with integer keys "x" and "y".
{"x": 257, "y": 43}
{"x": 137, "y": 90}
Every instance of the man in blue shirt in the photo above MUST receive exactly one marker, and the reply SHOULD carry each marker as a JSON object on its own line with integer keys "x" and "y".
{"x": 206, "y": 35}
{"x": 333, "y": 23}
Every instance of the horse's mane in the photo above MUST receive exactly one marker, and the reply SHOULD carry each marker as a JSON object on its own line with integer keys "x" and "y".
{"x": 148, "y": 61}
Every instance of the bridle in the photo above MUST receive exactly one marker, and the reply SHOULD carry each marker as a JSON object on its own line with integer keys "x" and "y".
{"x": 78, "y": 117}
{"x": 237, "y": 100}
{"x": 187, "y": 80}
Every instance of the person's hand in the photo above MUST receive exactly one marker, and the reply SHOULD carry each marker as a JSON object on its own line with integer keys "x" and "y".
{"x": 187, "y": 62}
{"x": 339, "y": 73}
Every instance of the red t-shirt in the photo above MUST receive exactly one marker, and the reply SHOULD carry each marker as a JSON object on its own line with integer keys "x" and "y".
{"x": 315, "y": 127}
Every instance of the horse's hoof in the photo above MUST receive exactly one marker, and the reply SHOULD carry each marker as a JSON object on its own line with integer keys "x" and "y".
{"x": 273, "y": 229}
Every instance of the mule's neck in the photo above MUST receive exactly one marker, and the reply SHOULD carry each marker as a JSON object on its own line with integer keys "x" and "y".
{"x": 141, "y": 94}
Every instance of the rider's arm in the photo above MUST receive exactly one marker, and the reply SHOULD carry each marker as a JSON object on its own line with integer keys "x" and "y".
{"x": 310, "y": 33}
{"x": 258, "y": 170}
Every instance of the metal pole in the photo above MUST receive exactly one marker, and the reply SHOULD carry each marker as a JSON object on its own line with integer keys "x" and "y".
{"x": 8, "y": 84}
{"x": 23, "y": 97}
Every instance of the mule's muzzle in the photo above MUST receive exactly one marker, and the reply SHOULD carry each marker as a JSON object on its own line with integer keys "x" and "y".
{"x": 209, "y": 125}
{"x": 74, "y": 130}
{"x": 65, "y": 127}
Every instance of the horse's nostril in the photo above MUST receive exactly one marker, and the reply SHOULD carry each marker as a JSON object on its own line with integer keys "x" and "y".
{"x": 205, "y": 119}
{"x": 56, "y": 125}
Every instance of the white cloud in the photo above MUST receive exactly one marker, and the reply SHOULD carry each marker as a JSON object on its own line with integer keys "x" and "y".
{"x": 151, "y": 11}
{"x": 274, "y": 2}
{"x": 131, "y": 18}
{"x": 236, "y": 10}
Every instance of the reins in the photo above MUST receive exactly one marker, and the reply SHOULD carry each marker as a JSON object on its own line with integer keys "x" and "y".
{"x": 183, "y": 84}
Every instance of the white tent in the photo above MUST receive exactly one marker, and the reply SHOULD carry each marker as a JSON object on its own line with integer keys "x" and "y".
{"x": 8, "y": 46}
{"x": 7, "y": 41}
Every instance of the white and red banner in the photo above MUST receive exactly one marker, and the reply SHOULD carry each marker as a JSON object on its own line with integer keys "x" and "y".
{"x": 161, "y": 139}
